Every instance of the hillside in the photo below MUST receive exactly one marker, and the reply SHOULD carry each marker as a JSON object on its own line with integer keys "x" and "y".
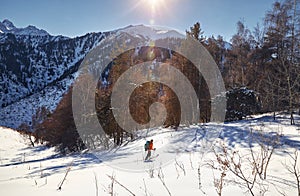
{"x": 184, "y": 157}
{"x": 38, "y": 68}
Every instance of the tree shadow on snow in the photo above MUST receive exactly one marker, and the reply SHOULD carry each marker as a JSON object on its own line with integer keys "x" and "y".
{"x": 55, "y": 163}
{"x": 239, "y": 133}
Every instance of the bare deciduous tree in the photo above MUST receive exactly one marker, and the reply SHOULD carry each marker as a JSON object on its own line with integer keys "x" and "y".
{"x": 261, "y": 157}
{"x": 233, "y": 162}
{"x": 293, "y": 168}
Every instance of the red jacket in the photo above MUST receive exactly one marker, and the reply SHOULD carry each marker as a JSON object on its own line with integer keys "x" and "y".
{"x": 151, "y": 146}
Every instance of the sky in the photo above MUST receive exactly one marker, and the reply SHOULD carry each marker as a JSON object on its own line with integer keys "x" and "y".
{"x": 74, "y": 17}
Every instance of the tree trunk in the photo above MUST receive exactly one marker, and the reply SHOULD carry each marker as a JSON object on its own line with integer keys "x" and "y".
{"x": 290, "y": 101}
{"x": 292, "y": 118}
{"x": 32, "y": 143}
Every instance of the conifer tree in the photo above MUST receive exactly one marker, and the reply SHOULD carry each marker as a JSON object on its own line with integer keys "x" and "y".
{"x": 196, "y": 32}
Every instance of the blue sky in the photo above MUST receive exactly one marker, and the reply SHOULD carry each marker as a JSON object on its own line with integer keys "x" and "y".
{"x": 74, "y": 17}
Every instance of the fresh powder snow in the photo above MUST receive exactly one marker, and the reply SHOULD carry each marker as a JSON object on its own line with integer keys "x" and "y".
{"x": 186, "y": 164}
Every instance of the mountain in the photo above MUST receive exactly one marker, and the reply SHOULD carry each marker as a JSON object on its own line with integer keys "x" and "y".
{"x": 152, "y": 33}
{"x": 7, "y": 26}
{"x": 37, "y": 68}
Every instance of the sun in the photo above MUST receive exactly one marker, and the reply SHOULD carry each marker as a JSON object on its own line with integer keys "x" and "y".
{"x": 153, "y": 3}
{"x": 154, "y": 9}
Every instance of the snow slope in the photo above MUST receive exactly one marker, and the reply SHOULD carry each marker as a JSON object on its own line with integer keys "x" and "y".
{"x": 151, "y": 32}
{"x": 26, "y": 170}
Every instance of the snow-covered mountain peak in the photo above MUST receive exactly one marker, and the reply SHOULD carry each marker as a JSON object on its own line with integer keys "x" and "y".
{"x": 151, "y": 32}
{"x": 7, "y": 26}
{"x": 31, "y": 30}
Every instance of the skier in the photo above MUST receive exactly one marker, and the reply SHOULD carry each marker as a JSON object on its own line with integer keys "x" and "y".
{"x": 149, "y": 147}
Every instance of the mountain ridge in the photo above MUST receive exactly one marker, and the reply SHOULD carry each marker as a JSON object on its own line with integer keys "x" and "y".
{"x": 6, "y": 26}
{"x": 39, "y": 68}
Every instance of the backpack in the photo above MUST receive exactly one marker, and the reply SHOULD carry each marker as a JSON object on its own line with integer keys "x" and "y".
{"x": 147, "y": 144}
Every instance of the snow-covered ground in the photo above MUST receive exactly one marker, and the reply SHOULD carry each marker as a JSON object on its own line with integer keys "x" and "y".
{"x": 152, "y": 32}
{"x": 184, "y": 156}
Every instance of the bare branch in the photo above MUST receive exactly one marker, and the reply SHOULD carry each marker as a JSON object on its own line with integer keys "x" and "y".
{"x": 114, "y": 180}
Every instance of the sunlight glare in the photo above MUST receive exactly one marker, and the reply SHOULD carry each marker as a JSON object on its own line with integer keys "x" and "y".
{"x": 155, "y": 9}
{"x": 153, "y": 3}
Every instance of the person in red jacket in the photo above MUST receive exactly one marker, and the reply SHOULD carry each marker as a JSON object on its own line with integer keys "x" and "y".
{"x": 150, "y": 147}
